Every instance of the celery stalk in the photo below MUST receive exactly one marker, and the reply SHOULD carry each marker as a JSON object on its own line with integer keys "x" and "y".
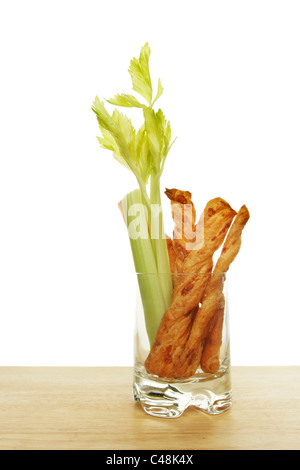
{"x": 143, "y": 152}
{"x": 146, "y": 268}
{"x": 159, "y": 242}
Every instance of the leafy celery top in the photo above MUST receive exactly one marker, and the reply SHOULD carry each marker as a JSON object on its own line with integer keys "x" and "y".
{"x": 144, "y": 153}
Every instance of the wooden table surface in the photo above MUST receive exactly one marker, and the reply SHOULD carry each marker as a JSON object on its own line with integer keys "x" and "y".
{"x": 92, "y": 408}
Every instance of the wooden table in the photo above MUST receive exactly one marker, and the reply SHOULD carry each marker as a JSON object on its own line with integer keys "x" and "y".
{"x": 92, "y": 408}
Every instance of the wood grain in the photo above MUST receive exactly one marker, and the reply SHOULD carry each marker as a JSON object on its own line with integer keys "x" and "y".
{"x": 92, "y": 408}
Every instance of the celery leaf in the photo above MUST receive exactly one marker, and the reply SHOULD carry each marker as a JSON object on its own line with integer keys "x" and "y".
{"x": 121, "y": 130}
{"x": 127, "y": 101}
{"x": 140, "y": 74}
{"x": 127, "y": 132}
{"x": 108, "y": 142}
{"x": 159, "y": 91}
{"x": 155, "y": 136}
{"x": 143, "y": 154}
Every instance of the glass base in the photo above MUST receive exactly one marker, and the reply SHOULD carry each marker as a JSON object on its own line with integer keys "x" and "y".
{"x": 211, "y": 393}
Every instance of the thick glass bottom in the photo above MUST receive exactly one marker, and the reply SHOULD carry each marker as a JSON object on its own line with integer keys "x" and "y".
{"x": 211, "y": 393}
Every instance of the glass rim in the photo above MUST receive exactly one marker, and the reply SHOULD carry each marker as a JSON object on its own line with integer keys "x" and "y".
{"x": 192, "y": 273}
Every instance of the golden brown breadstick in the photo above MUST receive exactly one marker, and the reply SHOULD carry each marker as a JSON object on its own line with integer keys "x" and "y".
{"x": 172, "y": 254}
{"x": 174, "y": 329}
{"x": 210, "y": 361}
{"x": 190, "y": 358}
{"x": 184, "y": 216}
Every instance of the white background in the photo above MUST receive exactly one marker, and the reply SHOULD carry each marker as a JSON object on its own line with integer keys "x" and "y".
{"x": 231, "y": 74}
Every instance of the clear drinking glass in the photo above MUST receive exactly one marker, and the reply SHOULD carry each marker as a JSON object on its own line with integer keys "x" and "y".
{"x": 200, "y": 336}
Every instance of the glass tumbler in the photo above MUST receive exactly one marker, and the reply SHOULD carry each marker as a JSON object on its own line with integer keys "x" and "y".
{"x": 187, "y": 361}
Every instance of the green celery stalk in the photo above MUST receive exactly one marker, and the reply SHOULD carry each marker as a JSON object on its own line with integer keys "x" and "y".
{"x": 146, "y": 268}
{"x": 159, "y": 243}
{"x": 143, "y": 152}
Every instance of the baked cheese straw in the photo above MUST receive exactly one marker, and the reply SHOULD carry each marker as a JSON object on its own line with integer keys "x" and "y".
{"x": 210, "y": 360}
{"x": 174, "y": 329}
{"x": 184, "y": 233}
{"x": 184, "y": 216}
{"x": 190, "y": 358}
{"x": 172, "y": 254}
